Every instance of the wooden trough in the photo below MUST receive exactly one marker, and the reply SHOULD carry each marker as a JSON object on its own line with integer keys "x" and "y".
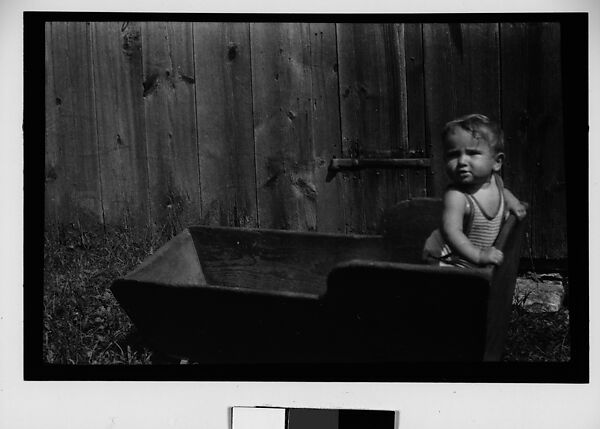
{"x": 231, "y": 295}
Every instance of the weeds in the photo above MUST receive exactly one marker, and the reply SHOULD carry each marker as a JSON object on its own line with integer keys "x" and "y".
{"x": 538, "y": 337}
{"x": 83, "y": 323}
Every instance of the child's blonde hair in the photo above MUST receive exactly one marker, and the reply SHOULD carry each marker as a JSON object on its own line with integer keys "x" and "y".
{"x": 480, "y": 127}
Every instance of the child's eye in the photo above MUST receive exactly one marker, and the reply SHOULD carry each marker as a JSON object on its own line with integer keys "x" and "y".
{"x": 452, "y": 154}
{"x": 472, "y": 152}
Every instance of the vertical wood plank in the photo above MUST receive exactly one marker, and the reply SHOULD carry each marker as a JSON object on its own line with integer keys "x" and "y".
{"x": 224, "y": 120}
{"x": 282, "y": 99}
{"x": 533, "y": 124}
{"x": 51, "y": 189}
{"x": 169, "y": 100}
{"x": 373, "y": 115}
{"x": 325, "y": 124}
{"x": 116, "y": 53}
{"x": 415, "y": 101}
{"x": 297, "y": 126}
{"x": 461, "y": 76}
{"x": 73, "y": 181}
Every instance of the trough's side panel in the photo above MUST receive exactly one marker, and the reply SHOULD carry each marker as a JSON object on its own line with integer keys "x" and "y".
{"x": 502, "y": 290}
{"x": 326, "y": 126}
{"x": 224, "y": 117}
{"x": 73, "y": 190}
{"x": 533, "y": 125}
{"x": 117, "y": 58}
{"x": 407, "y": 225}
{"x": 221, "y": 326}
{"x": 283, "y": 120}
{"x": 415, "y": 106}
{"x": 174, "y": 264}
{"x": 168, "y": 85}
{"x": 401, "y": 312}
{"x": 373, "y": 117}
{"x": 461, "y": 77}
{"x": 278, "y": 260}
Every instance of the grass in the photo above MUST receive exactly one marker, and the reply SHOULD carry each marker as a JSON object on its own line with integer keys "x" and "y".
{"x": 538, "y": 337}
{"x": 83, "y": 323}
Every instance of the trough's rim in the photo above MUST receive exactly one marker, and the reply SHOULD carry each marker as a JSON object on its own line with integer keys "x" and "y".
{"x": 283, "y": 231}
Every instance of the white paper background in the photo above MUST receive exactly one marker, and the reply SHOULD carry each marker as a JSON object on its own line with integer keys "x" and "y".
{"x": 206, "y": 405}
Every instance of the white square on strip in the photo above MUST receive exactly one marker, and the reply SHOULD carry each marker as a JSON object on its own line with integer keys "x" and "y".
{"x": 258, "y": 418}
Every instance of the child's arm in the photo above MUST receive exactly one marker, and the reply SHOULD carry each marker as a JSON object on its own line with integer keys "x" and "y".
{"x": 514, "y": 205}
{"x": 452, "y": 229}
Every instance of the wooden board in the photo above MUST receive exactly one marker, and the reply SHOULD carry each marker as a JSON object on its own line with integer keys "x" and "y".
{"x": 415, "y": 102}
{"x": 408, "y": 224}
{"x": 51, "y": 188}
{"x": 533, "y": 125}
{"x": 224, "y": 121}
{"x": 169, "y": 102}
{"x": 118, "y": 86}
{"x": 286, "y": 261}
{"x": 325, "y": 124}
{"x": 72, "y": 176}
{"x": 281, "y": 82}
{"x": 373, "y": 116}
{"x": 462, "y": 76}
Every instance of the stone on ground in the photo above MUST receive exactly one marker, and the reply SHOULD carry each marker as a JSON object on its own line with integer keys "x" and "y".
{"x": 540, "y": 293}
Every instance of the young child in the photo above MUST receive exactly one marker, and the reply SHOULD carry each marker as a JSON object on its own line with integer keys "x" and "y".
{"x": 476, "y": 202}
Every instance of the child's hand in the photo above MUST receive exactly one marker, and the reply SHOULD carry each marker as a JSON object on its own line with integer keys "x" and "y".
{"x": 518, "y": 209}
{"x": 490, "y": 255}
{"x": 513, "y": 205}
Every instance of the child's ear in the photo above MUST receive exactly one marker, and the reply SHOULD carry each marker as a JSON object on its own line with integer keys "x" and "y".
{"x": 499, "y": 158}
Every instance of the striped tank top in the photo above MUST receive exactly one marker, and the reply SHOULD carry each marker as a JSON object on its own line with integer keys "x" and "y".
{"x": 481, "y": 229}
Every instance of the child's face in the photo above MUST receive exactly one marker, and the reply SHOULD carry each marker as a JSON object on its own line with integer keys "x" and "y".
{"x": 469, "y": 161}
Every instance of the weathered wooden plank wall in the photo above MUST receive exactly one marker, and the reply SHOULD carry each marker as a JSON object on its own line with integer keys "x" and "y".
{"x": 415, "y": 106}
{"x": 373, "y": 112}
{"x": 533, "y": 124}
{"x": 121, "y": 132}
{"x": 281, "y": 83}
{"x": 326, "y": 135}
{"x": 52, "y": 200}
{"x": 462, "y": 73}
{"x": 225, "y": 125}
{"x": 166, "y": 124}
{"x": 72, "y": 171}
{"x": 169, "y": 98}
